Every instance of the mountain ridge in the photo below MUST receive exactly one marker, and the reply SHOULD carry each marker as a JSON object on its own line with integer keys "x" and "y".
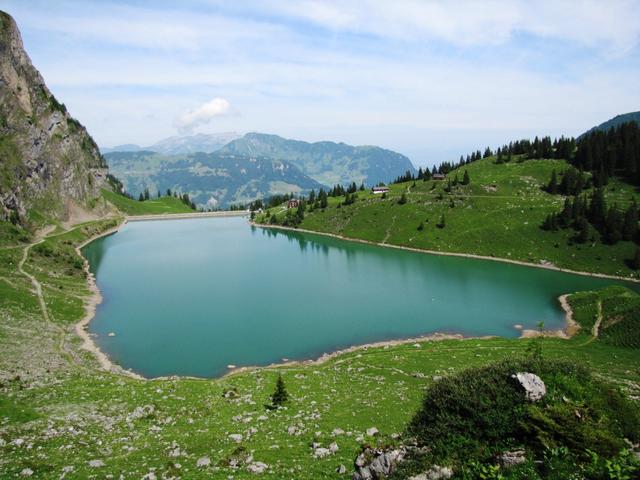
{"x": 327, "y": 162}
{"x": 47, "y": 157}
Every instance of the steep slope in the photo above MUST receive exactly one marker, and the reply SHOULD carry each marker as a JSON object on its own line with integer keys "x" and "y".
{"x": 210, "y": 179}
{"x": 329, "y": 163}
{"x": 200, "y": 142}
{"x": 48, "y": 161}
{"x": 614, "y": 122}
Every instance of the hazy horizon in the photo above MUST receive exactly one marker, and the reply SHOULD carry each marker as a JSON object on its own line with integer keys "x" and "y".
{"x": 431, "y": 80}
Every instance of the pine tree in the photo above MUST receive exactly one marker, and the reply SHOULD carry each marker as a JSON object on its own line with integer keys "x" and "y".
{"x": 280, "y": 395}
{"x": 630, "y": 228}
{"x": 635, "y": 263}
{"x": 466, "y": 179}
{"x": 552, "y": 186}
{"x": 583, "y": 231}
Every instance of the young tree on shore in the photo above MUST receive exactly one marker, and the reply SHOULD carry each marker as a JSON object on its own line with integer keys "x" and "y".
{"x": 280, "y": 395}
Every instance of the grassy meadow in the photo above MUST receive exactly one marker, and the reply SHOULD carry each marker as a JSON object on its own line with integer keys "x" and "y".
{"x": 498, "y": 214}
{"x": 61, "y": 415}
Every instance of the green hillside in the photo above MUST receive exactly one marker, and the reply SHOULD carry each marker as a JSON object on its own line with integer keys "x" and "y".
{"x": 498, "y": 214}
{"x": 212, "y": 180}
{"x": 148, "y": 207}
{"x": 615, "y": 122}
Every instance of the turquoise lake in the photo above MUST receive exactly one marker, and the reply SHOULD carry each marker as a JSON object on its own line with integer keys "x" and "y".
{"x": 190, "y": 297}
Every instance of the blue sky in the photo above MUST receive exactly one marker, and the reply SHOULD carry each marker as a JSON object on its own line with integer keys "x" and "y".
{"x": 431, "y": 79}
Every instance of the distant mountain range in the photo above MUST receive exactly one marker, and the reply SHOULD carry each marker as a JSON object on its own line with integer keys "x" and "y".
{"x": 211, "y": 179}
{"x": 221, "y": 169}
{"x": 615, "y": 121}
{"x": 200, "y": 142}
{"x": 326, "y": 162}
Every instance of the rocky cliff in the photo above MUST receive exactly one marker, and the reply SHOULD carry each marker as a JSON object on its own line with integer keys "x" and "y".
{"x": 48, "y": 161}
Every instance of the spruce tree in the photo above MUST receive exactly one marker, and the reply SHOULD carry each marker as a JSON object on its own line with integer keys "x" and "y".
{"x": 280, "y": 395}
{"x": 442, "y": 222}
{"x": 552, "y": 186}
{"x": 635, "y": 263}
{"x": 466, "y": 179}
{"x": 403, "y": 199}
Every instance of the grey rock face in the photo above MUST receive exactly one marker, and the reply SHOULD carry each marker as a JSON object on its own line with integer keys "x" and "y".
{"x": 46, "y": 156}
{"x": 533, "y": 385}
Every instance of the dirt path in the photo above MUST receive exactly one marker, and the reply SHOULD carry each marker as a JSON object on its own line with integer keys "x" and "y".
{"x": 37, "y": 288}
{"x": 388, "y": 234}
{"x": 595, "y": 331}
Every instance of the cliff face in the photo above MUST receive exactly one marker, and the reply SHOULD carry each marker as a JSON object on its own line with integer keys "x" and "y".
{"x": 48, "y": 161}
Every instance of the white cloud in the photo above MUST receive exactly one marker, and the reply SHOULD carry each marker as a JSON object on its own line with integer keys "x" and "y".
{"x": 206, "y": 112}
{"x": 612, "y": 25}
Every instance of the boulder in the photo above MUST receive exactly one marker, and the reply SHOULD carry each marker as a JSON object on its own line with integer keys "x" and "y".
{"x": 372, "y": 431}
{"x": 436, "y": 472}
{"x": 203, "y": 462}
{"x": 257, "y": 467}
{"x": 533, "y": 385}
{"x": 512, "y": 458}
{"x": 377, "y": 464}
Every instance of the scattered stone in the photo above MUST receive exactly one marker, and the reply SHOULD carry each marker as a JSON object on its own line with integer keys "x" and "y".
{"x": 371, "y": 432}
{"x": 512, "y": 458}
{"x": 257, "y": 467}
{"x": 341, "y": 469}
{"x": 533, "y": 385}
{"x": 292, "y": 430}
{"x": 26, "y": 472}
{"x": 203, "y": 462}
{"x": 434, "y": 473}
{"x": 333, "y": 448}
{"x": 150, "y": 476}
{"x": 377, "y": 464}
{"x": 112, "y": 334}
{"x": 96, "y": 463}
{"x": 337, "y": 431}
{"x": 321, "y": 452}
{"x": 236, "y": 437}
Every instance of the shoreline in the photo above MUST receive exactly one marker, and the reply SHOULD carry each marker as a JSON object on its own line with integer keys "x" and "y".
{"x": 451, "y": 254}
{"x": 106, "y": 364}
{"x": 90, "y": 306}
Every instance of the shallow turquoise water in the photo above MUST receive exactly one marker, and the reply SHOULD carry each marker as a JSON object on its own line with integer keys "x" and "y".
{"x": 190, "y": 297}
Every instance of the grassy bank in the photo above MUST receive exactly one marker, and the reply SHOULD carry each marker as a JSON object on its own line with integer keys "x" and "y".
{"x": 498, "y": 214}
{"x": 60, "y": 413}
{"x": 148, "y": 207}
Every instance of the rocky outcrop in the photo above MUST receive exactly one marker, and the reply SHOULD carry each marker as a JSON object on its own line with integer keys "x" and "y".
{"x": 377, "y": 464}
{"x": 47, "y": 158}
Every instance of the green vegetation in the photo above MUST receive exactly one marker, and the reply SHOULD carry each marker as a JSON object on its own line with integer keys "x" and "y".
{"x": 166, "y": 204}
{"x": 497, "y": 214}
{"x": 470, "y": 419}
{"x": 57, "y": 401}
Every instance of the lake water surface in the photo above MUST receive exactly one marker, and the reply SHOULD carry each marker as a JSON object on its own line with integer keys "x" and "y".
{"x": 190, "y": 297}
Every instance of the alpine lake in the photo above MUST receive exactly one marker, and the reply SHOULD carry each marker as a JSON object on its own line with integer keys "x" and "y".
{"x": 199, "y": 296}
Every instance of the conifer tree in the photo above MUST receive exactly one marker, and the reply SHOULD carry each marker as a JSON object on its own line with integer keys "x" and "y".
{"x": 466, "y": 179}
{"x": 442, "y": 222}
{"x": 403, "y": 199}
{"x": 552, "y": 186}
{"x": 280, "y": 395}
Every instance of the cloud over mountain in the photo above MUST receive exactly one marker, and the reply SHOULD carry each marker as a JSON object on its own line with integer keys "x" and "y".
{"x": 206, "y": 112}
